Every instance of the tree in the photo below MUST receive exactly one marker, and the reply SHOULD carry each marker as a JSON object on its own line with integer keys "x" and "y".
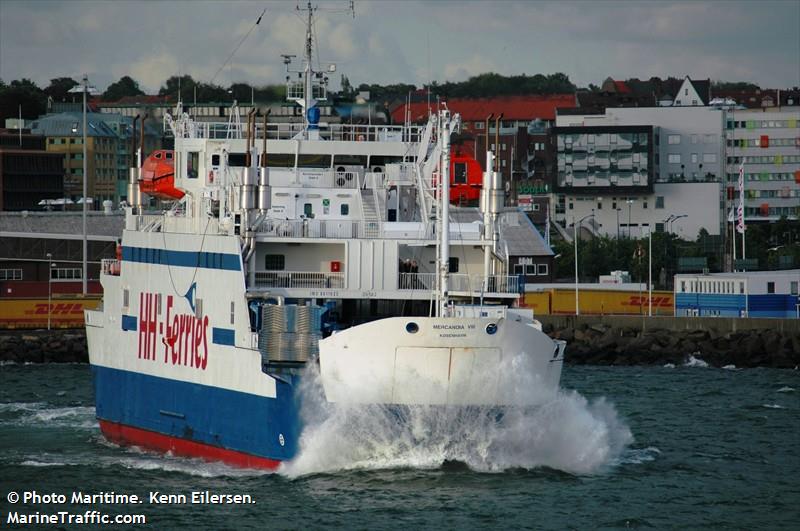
{"x": 24, "y": 93}
{"x": 59, "y": 88}
{"x": 126, "y": 86}
{"x": 175, "y": 84}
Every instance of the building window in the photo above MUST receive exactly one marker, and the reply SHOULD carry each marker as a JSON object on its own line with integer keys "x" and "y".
{"x": 530, "y": 270}
{"x": 709, "y": 157}
{"x": 65, "y": 273}
{"x": 478, "y": 125}
{"x": 10, "y": 274}
{"x": 541, "y": 269}
{"x": 770, "y": 287}
{"x": 659, "y": 201}
{"x": 274, "y": 262}
{"x": 453, "y": 264}
{"x": 694, "y": 158}
{"x": 793, "y": 287}
{"x": 674, "y": 139}
{"x": 674, "y": 158}
{"x": 519, "y": 269}
{"x": 308, "y": 210}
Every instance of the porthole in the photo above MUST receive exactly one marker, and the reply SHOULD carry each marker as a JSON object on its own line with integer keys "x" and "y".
{"x": 491, "y": 328}
{"x": 412, "y": 328}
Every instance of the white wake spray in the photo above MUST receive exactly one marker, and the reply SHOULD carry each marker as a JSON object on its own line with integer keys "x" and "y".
{"x": 567, "y": 433}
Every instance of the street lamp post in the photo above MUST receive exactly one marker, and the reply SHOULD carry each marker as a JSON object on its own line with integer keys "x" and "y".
{"x": 676, "y": 218}
{"x": 84, "y": 88}
{"x": 49, "y": 288}
{"x": 576, "y": 230}
{"x": 630, "y": 202}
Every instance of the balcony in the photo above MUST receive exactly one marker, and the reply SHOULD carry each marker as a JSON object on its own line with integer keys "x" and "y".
{"x": 298, "y": 279}
{"x": 472, "y": 285}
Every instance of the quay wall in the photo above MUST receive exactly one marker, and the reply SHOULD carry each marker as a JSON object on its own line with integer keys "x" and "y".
{"x": 591, "y": 339}
{"x": 635, "y": 340}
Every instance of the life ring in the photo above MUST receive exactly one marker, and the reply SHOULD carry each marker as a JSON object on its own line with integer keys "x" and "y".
{"x": 211, "y": 176}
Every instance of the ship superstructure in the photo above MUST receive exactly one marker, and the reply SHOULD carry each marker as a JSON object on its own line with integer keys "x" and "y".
{"x": 282, "y": 234}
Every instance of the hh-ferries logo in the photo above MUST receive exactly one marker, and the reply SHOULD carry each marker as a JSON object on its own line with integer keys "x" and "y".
{"x": 184, "y": 336}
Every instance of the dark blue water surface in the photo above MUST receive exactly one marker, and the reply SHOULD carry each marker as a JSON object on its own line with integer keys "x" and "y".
{"x": 623, "y": 447}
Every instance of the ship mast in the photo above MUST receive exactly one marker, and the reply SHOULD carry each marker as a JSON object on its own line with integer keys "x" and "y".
{"x": 311, "y": 85}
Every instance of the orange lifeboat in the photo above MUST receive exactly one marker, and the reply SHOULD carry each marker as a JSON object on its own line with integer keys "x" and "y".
{"x": 158, "y": 176}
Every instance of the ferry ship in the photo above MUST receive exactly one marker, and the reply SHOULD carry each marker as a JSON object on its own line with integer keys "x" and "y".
{"x": 301, "y": 247}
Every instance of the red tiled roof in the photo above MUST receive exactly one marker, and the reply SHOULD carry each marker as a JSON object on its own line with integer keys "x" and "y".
{"x": 512, "y": 107}
{"x": 622, "y": 87}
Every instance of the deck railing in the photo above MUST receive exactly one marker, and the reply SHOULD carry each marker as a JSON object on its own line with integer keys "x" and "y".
{"x": 339, "y": 132}
{"x": 298, "y": 279}
{"x": 109, "y": 266}
{"x": 461, "y": 283}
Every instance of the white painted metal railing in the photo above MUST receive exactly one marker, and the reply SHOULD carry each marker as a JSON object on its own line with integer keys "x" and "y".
{"x": 298, "y": 279}
{"x": 461, "y": 283}
{"x": 339, "y": 132}
{"x": 109, "y": 266}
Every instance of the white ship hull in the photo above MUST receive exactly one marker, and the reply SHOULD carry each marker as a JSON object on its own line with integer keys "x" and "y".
{"x": 441, "y": 361}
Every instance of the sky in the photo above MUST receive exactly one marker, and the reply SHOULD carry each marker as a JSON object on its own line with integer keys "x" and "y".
{"x": 395, "y": 41}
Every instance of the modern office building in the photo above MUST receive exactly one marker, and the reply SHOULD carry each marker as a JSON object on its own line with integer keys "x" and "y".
{"x": 768, "y": 142}
{"x": 636, "y": 169}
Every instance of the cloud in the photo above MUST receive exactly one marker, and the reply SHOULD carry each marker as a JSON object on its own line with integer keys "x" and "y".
{"x": 410, "y": 42}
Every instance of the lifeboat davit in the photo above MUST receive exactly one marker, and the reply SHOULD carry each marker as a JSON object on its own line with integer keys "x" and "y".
{"x": 158, "y": 176}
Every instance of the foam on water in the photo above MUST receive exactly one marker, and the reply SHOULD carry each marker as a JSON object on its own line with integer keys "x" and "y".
{"x": 38, "y": 414}
{"x": 568, "y": 433}
{"x": 695, "y": 362}
{"x": 786, "y": 389}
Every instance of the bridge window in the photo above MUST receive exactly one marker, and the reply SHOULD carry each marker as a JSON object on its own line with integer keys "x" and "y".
{"x": 460, "y": 173}
{"x": 274, "y": 262}
{"x": 344, "y": 209}
{"x": 770, "y": 287}
{"x": 192, "y": 164}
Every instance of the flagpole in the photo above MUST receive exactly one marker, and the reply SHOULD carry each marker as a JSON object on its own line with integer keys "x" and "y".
{"x": 733, "y": 235}
{"x": 740, "y": 226}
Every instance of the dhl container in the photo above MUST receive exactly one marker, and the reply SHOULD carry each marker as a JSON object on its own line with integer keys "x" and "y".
{"x": 65, "y": 312}
{"x": 599, "y": 302}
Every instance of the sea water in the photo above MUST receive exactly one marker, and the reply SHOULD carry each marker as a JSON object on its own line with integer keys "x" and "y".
{"x": 621, "y": 447}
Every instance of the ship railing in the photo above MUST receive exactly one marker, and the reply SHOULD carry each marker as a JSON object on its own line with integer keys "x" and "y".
{"x": 345, "y": 229}
{"x": 423, "y": 281}
{"x": 110, "y": 266}
{"x": 298, "y": 279}
{"x": 338, "y": 132}
{"x": 149, "y": 222}
{"x": 462, "y": 283}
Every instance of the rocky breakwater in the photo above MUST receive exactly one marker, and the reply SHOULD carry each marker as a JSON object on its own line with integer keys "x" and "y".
{"x": 43, "y": 346}
{"x": 604, "y": 344}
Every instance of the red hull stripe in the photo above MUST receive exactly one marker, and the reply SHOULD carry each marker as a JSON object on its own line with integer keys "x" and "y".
{"x": 127, "y": 435}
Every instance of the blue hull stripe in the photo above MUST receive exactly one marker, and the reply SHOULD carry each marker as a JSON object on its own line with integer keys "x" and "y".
{"x": 210, "y": 415}
{"x": 222, "y": 336}
{"x": 203, "y": 260}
